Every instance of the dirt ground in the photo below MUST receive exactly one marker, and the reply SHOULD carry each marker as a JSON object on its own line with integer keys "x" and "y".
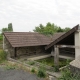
{"x": 17, "y": 75}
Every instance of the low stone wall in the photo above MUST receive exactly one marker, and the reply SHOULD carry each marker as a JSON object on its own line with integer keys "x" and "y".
{"x": 75, "y": 66}
{"x": 75, "y": 70}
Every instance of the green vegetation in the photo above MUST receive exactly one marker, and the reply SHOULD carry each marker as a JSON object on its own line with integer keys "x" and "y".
{"x": 67, "y": 75}
{"x": 56, "y": 69}
{"x": 31, "y": 62}
{"x": 3, "y": 56}
{"x": 5, "y": 29}
{"x": 41, "y": 72}
{"x": 1, "y": 38}
{"x": 10, "y": 27}
{"x": 50, "y": 61}
{"x": 50, "y": 29}
{"x": 33, "y": 70}
{"x": 9, "y": 67}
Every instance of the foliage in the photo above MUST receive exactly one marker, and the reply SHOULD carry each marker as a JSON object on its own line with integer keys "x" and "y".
{"x": 50, "y": 61}
{"x": 3, "y": 56}
{"x": 31, "y": 62}
{"x": 5, "y": 29}
{"x": 33, "y": 70}
{"x": 56, "y": 68}
{"x": 1, "y": 37}
{"x": 41, "y": 72}
{"x": 67, "y": 75}
{"x": 9, "y": 67}
{"x": 67, "y": 29}
{"x": 10, "y": 28}
{"x": 49, "y": 29}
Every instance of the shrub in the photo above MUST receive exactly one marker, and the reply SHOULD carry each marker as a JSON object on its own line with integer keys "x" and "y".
{"x": 33, "y": 70}
{"x": 3, "y": 55}
{"x": 41, "y": 72}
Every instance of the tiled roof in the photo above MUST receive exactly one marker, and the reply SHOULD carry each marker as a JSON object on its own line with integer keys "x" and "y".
{"x": 20, "y": 39}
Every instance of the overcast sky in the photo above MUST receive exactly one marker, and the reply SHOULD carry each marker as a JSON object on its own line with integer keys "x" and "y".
{"x": 26, "y": 14}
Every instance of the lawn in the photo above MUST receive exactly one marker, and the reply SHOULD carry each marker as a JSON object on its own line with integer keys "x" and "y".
{"x": 50, "y": 61}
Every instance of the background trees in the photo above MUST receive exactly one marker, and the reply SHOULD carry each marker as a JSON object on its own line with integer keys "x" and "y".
{"x": 10, "y": 27}
{"x": 7, "y": 29}
{"x": 50, "y": 29}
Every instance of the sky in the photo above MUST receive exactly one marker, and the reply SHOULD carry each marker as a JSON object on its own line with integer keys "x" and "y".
{"x": 26, "y": 14}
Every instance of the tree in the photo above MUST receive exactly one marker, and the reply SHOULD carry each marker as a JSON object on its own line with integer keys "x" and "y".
{"x": 60, "y": 30}
{"x": 67, "y": 29}
{"x": 10, "y": 28}
{"x": 50, "y": 29}
{"x": 4, "y": 30}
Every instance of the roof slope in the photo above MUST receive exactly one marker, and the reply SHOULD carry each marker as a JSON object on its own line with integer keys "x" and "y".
{"x": 57, "y": 35}
{"x": 62, "y": 37}
{"x": 20, "y": 39}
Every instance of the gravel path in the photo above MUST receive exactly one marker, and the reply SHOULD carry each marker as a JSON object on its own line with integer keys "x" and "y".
{"x": 17, "y": 75}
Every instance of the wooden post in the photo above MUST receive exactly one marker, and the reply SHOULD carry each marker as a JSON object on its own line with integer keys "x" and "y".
{"x": 56, "y": 56}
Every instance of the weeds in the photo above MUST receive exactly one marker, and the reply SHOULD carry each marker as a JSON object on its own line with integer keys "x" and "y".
{"x": 67, "y": 75}
{"x": 3, "y": 56}
{"x": 9, "y": 67}
{"x": 41, "y": 72}
{"x": 31, "y": 62}
{"x": 56, "y": 68}
{"x": 33, "y": 70}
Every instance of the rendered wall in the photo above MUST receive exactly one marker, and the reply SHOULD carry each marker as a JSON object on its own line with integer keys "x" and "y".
{"x": 77, "y": 43}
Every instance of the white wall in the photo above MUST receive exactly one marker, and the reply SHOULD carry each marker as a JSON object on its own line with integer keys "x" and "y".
{"x": 77, "y": 43}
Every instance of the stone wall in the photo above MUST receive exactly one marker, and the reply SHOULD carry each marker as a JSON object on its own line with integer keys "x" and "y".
{"x": 75, "y": 66}
{"x": 32, "y": 50}
{"x": 74, "y": 69}
{"x": 8, "y": 48}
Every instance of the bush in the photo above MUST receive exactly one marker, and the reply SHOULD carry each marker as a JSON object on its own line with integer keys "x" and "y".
{"x": 3, "y": 56}
{"x": 33, "y": 70}
{"x": 41, "y": 72}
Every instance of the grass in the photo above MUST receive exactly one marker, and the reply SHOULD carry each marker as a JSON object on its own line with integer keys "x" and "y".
{"x": 41, "y": 72}
{"x": 31, "y": 63}
{"x": 1, "y": 37}
{"x": 50, "y": 61}
{"x": 67, "y": 75}
{"x": 3, "y": 56}
{"x": 33, "y": 70}
{"x": 10, "y": 67}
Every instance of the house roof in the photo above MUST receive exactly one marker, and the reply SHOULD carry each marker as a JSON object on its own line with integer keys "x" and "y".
{"x": 20, "y": 39}
{"x": 55, "y": 41}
